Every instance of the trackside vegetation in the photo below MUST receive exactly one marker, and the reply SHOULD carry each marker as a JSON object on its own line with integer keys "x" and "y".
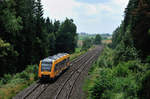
{"x": 126, "y": 80}
{"x": 10, "y": 85}
{"x": 123, "y": 69}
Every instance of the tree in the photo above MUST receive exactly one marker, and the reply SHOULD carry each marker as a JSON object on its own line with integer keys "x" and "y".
{"x": 52, "y": 44}
{"x": 8, "y": 57}
{"x": 49, "y": 26}
{"x": 87, "y": 43}
{"x": 66, "y": 37}
{"x": 134, "y": 30}
{"x": 97, "y": 39}
{"x": 56, "y": 26}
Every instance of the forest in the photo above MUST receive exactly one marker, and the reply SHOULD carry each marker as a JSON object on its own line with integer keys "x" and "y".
{"x": 123, "y": 69}
{"x": 26, "y": 36}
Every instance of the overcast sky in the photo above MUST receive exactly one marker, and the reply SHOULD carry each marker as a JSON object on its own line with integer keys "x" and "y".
{"x": 91, "y": 16}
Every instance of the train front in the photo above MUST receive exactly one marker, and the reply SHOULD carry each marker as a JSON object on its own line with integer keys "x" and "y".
{"x": 45, "y": 69}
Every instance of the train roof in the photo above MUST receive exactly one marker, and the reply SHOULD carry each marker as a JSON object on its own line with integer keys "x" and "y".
{"x": 54, "y": 57}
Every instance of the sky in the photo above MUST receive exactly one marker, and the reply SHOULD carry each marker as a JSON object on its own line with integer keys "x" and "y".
{"x": 90, "y": 16}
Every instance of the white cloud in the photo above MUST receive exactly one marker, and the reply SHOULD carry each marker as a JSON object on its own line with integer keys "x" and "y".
{"x": 59, "y": 9}
{"x": 93, "y": 18}
{"x": 122, "y": 3}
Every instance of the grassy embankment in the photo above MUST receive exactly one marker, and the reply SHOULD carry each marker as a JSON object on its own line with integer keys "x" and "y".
{"x": 10, "y": 85}
{"x": 126, "y": 80}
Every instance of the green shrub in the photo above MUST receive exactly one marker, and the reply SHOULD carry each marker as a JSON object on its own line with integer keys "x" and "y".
{"x": 130, "y": 87}
{"x": 148, "y": 59}
{"x": 110, "y": 94}
{"x": 102, "y": 84}
{"x": 16, "y": 81}
{"x": 106, "y": 58}
{"x": 24, "y": 75}
{"x": 144, "y": 92}
{"x": 123, "y": 88}
{"x": 124, "y": 54}
{"x": 35, "y": 71}
{"x": 121, "y": 71}
{"x": 6, "y": 78}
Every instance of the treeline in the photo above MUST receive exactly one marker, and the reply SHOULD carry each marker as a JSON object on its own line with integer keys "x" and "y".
{"x": 123, "y": 69}
{"x": 131, "y": 42}
{"x": 135, "y": 29}
{"x": 26, "y": 36}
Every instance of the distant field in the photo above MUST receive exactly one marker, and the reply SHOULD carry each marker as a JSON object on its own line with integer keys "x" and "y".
{"x": 106, "y": 41}
{"x": 80, "y": 43}
{"x": 82, "y": 37}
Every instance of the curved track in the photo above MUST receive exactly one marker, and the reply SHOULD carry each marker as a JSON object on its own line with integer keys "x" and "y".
{"x": 65, "y": 86}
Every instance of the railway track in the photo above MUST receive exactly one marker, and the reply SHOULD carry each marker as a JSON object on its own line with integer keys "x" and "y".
{"x": 64, "y": 84}
{"x": 69, "y": 84}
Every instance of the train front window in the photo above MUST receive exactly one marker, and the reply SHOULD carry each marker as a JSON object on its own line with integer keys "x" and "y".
{"x": 46, "y": 66}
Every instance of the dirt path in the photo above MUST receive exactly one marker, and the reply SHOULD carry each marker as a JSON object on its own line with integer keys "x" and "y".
{"x": 68, "y": 85}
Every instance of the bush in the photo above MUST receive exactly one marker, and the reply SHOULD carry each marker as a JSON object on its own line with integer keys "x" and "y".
{"x": 124, "y": 54}
{"x": 148, "y": 59}
{"x": 24, "y": 75}
{"x": 16, "y": 81}
{"x": 106, "y": 58}
{"x": 121, "y": 70}
{"x": 35, "y": 70}
{"x": 144, "y": 92}
{"x": 136, "y": 66}
{"x": 6, "y": 78}
{"x": 31, "y": 70}
{"x": 102, "y": 84}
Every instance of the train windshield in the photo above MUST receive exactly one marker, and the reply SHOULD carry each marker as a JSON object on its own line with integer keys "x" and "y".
{"x": 46, "y": 66}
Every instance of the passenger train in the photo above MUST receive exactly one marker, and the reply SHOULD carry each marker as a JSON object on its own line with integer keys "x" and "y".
{"x": 53, "y": 66}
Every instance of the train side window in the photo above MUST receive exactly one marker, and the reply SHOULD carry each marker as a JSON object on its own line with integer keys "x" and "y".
{"x": 65, "y": 62}
{"x": 55, "y": 67}
{"x": 60, "y": 65}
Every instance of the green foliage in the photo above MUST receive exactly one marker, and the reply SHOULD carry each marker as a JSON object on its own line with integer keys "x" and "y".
{"x": 6, "y": 78}
{"x": 106, "y": 58}
{"x": 123, "y": 53}
{"x": 7, "y": 55}
{"x": 121, "y": 70}
{"x": 134, "y": 30}
{"x": 66, "y": 37}
{"x": 148, "y": 59}
{"x": 87, "y": 43}
{"x": 103, "y": 83}
{"x": 121, "y": 81}
{"x": 97, "y": 39}
{"x": 144, "y": 92}
{"x": 12, "y": 84}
